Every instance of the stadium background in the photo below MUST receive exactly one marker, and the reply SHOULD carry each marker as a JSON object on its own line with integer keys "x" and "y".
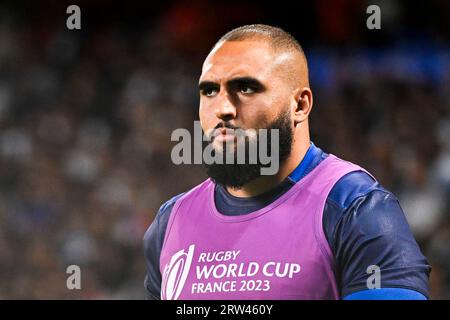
{"x": 86, "y": 118}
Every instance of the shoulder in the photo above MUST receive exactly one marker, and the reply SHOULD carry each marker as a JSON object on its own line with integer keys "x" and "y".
{"x": 351, "y": 187}
{"x": 159, "y": 224}
{"x": 365, "y": 225}
{"x": 166, "y": 208}
{"x": 157, "y": 229}
{"x": 359, "y": 204}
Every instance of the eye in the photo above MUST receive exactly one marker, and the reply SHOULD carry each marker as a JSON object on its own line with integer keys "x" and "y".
{"x": 210, "y": 92}
{"x": 246, "y": 89}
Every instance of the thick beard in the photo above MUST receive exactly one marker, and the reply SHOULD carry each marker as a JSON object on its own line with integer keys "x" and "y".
{"x": 237, "y": 175}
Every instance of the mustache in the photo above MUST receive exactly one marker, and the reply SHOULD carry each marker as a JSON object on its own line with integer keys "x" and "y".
{"x": 226, "y": 125}
{"x": 218, "y": 129}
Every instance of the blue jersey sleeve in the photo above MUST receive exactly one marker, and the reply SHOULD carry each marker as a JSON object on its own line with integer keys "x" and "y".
{"x": 386, "y": 294}
{"x": 153, "y": 242}
{"x": 365, "y": 225}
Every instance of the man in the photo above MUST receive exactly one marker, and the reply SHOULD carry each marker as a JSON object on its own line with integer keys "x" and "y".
{"x": 320, "y": 228}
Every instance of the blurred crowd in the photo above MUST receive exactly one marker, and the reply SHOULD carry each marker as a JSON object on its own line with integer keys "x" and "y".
{"x": 85, "y": 126}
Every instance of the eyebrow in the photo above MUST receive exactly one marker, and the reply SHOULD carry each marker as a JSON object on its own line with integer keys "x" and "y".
{"x": 235, "y": 82}
{"x": 205, "y": 85}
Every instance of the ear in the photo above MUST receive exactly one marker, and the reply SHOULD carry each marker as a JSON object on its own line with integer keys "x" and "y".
{"x": 303, "y": 104}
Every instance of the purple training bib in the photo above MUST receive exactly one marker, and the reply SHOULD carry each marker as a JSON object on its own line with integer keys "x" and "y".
{"x": 277, "y": 252}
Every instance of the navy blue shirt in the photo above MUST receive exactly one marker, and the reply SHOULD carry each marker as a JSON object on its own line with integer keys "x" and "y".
{"x": 363, "y": 223}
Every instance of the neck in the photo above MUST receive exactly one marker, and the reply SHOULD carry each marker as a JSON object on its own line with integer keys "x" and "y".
{"x": 265, "y": 183}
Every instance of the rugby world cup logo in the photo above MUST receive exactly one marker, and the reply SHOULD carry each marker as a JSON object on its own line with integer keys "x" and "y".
{"x": 175, "y": 274}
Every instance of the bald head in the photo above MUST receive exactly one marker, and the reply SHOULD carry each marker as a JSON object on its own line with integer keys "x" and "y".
{"x": 288, "y": 53}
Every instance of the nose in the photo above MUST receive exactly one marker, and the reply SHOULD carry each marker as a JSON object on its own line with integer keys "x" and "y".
{"x": 225, "y": 110}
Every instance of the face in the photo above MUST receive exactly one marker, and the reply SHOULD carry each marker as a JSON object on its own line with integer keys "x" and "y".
{"x": 243, "y": 87}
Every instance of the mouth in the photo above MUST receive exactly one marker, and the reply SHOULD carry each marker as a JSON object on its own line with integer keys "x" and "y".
{"x": 224, "y": 134}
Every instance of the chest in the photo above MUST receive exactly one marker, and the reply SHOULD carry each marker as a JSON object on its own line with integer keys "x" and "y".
{"x": 276, "y": 255}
